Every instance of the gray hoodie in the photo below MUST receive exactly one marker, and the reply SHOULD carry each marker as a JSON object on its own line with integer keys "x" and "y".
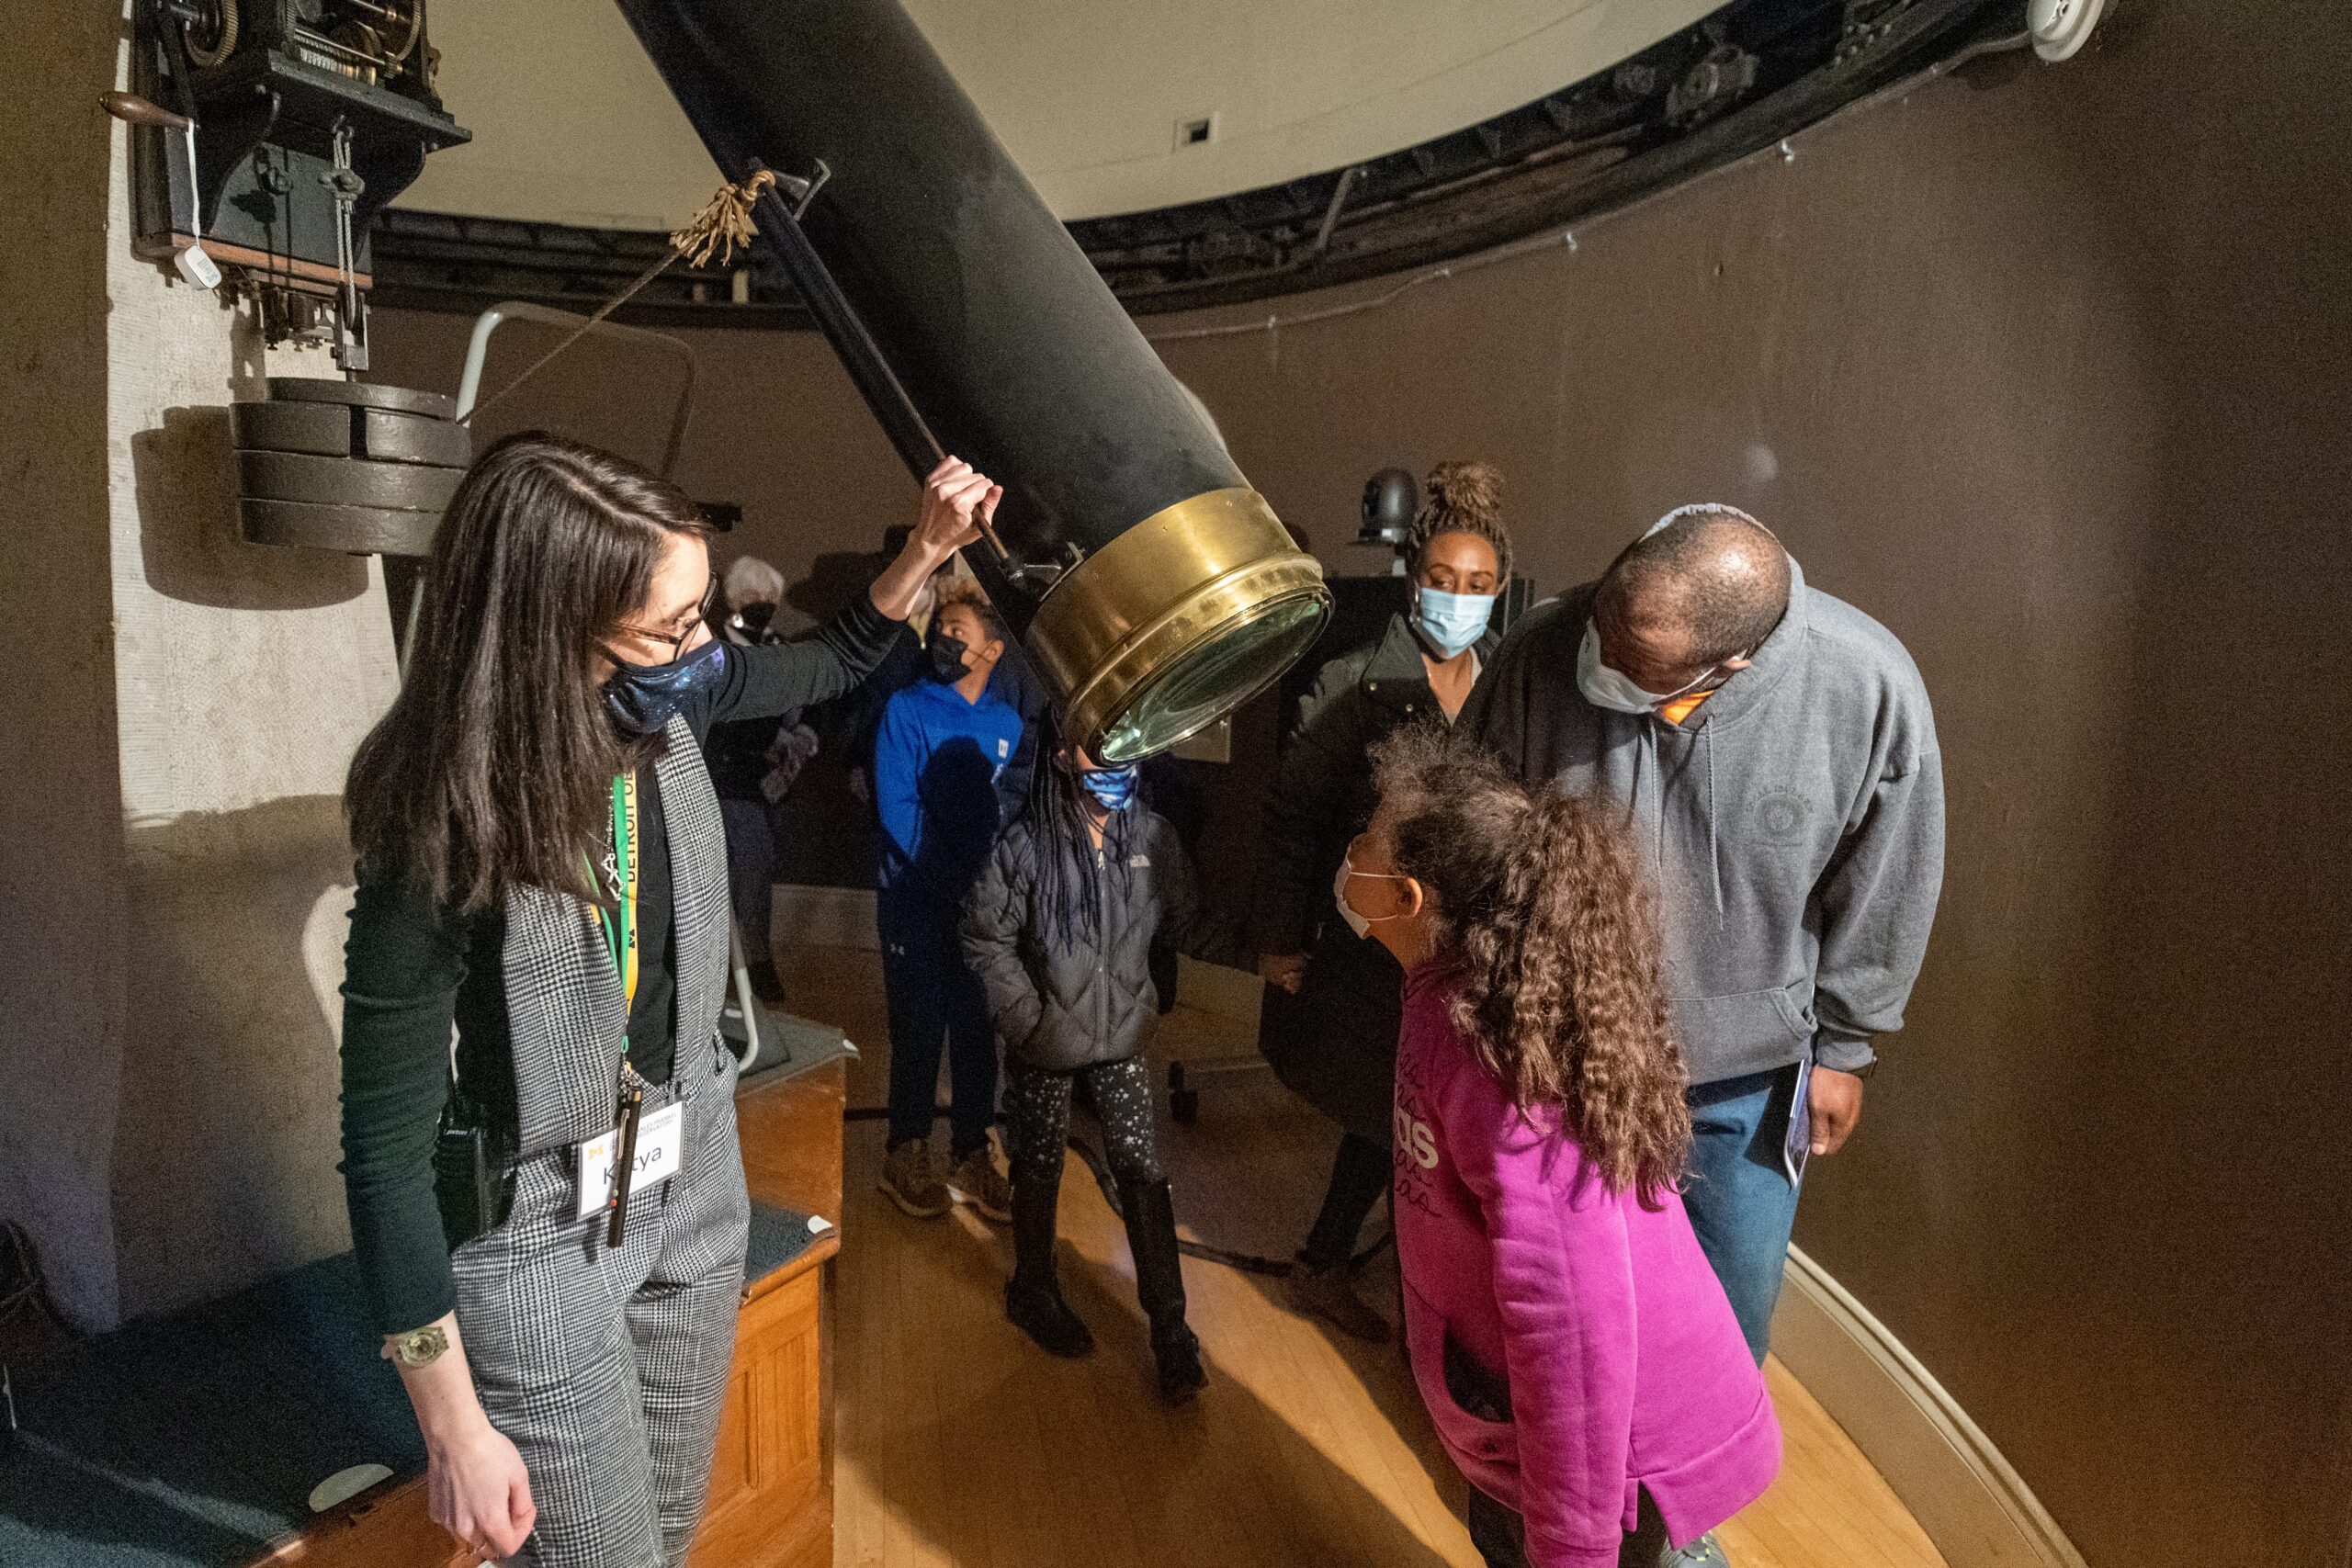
{"x": 1794, "y": 827}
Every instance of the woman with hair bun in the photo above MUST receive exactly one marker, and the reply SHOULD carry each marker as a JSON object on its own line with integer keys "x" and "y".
{"x": 1330, "y": 1028}
{"x": 1578, "y": 1357}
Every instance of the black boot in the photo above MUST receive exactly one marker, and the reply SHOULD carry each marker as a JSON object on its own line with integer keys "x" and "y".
{"x": 1150, "y": 1214}
{"x": 1032, "y": 1299}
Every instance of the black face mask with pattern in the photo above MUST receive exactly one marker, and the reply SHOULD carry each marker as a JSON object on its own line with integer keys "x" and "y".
{"x": 642, "y": 698}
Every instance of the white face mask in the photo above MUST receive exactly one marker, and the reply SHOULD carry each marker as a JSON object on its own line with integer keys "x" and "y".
{"x": 1605, "y": 687}
{"x": 1613, "y": 689}
{"x": 1360, "y": 924}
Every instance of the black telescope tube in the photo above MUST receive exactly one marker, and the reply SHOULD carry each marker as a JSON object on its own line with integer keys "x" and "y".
{"x": 1154, "y": 589}
{"x": 1018, "y": 357}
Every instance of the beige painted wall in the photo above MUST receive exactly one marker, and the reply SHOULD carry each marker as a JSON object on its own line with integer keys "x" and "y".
{"x": 2049, "y": 376}
{"x": 177, "y": 889}
{"x": 61, "y": 840}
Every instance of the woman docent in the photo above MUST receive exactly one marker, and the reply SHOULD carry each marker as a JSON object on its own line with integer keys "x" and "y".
{"x": 542, "y": 868}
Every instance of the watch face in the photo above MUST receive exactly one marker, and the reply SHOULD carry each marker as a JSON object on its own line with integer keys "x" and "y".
{"x": 420, "y": 1347}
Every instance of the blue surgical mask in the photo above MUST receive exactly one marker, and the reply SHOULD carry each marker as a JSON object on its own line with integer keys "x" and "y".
{"x": 644, "y": 697}
{"x": 1451, "y": 622}
{"x": 1114, "y": 787}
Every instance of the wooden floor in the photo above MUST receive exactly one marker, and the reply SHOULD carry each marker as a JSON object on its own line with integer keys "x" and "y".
{"x": 961, "y": 1444}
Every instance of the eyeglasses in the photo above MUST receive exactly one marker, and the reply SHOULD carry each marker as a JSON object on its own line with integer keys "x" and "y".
{"x": 676, "y": 641}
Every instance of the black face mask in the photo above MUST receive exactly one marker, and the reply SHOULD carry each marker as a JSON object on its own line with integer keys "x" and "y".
{"x": 947, "y": 658}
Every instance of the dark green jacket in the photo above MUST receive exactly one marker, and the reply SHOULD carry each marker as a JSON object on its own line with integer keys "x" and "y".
{"x": 1335, "y": 1043}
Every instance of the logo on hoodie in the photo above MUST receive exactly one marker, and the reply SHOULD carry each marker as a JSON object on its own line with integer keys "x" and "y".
{"x": 1415, "y": 1137}
{"x": 1778, "y": 816}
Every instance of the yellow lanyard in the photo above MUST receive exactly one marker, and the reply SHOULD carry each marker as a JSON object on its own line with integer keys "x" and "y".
{"x": 620, "y": 880}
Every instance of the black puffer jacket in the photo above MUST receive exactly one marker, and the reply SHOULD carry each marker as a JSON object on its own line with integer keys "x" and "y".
{"x": 1065, "y": 1009}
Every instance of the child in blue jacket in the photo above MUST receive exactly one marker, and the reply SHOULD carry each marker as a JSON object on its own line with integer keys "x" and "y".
{"x": 940, "y": 760}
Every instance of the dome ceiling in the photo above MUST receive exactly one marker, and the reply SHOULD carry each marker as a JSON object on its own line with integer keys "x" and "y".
{"x": 1095, "y": 101}
{"x": 1344, "y": 139}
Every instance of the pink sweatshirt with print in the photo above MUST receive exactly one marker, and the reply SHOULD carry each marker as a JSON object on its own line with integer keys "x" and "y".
{"x": 1594, "y": 1323}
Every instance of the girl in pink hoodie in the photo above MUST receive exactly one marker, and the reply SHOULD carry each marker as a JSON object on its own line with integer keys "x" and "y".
{"x": 1581, "y": 1362}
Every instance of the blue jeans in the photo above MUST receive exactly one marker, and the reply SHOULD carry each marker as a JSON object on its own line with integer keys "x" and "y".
{"x": 1739, "y": 1197}
{"x": 934, "y": 1001}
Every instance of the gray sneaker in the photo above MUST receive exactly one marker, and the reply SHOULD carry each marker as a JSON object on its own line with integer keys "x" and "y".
{"x": 1704, "y": 1552}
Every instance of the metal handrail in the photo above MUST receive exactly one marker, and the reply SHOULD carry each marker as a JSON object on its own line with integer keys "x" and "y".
{"x": 488, "y": 322}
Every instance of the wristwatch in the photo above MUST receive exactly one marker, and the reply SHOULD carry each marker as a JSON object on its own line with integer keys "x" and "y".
{"x": 418, "y": 1345}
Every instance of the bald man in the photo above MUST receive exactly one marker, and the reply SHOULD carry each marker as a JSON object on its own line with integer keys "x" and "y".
{"x": 1776, "y": 759}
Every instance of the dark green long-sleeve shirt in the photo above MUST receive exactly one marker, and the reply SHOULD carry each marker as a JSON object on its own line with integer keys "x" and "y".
{"x": 413, "y": 970}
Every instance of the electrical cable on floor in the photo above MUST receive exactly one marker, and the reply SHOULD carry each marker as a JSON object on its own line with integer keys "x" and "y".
{"x": 1247, "y": 1262}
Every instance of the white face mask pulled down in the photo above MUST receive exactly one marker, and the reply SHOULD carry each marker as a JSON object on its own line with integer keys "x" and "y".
{"x": 1360, "y": 924}
{"x": 1606, "y": 687}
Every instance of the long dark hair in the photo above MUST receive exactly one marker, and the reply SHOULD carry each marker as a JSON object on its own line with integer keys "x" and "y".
{"x": 491, "y": 769}
{"x": 1069, "y": 885}
{"x": 1539, "y": 897}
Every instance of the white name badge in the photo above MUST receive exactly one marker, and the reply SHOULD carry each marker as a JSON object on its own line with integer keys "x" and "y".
{"x": 660, "y": 1142}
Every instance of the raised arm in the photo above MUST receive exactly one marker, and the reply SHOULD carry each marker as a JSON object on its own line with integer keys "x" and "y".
{"x": 760, "y": 682}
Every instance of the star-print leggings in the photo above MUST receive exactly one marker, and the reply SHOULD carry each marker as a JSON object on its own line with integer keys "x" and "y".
{"x": 1037, "y": 1120}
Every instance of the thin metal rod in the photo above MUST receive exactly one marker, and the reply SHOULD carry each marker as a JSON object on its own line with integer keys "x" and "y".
{"x": 416, "y": 614}
{"x": 1347, "y": 178}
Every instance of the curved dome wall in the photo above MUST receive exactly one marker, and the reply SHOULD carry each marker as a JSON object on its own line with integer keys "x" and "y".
{"x": 2054, "y": 392}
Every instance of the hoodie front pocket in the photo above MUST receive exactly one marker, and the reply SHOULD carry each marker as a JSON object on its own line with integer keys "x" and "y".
{"x": 1470, "y": 1435}
{"x": 1744, "y": 1020}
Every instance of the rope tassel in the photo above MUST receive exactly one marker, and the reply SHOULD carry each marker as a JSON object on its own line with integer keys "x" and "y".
{"x": 724, "y": 222}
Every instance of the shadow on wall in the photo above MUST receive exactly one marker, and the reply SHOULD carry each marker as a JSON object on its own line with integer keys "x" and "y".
{"x": 227, "y": 1128}
{"x": 188, "y": 537}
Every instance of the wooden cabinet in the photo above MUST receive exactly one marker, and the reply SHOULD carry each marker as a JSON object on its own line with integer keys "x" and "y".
{"x": 771, "y": 1497}
{"x": 771, "y": 1503}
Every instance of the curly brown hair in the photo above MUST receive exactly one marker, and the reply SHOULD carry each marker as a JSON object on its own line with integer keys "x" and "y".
{"x": 1464, "y": 498}
{"x": 1539, "y": 896}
